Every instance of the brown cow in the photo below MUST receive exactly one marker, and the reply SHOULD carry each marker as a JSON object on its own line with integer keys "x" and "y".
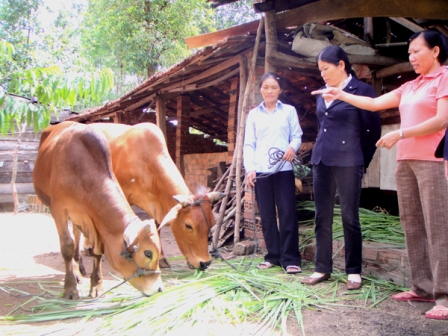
{"x": 150, "y": 179}
{"x": 73, "y": 177}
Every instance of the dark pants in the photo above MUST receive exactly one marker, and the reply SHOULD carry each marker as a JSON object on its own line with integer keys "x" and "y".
{"x": 347, "y": 180}
{"x": 276, "y": 196}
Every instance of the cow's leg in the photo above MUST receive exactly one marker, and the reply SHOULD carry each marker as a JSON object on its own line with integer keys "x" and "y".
{"x": 163, "y": 261}
{"x": 96, "y": 279}
{"x": 78, "y": 258}
{"x": 68, "y": 253}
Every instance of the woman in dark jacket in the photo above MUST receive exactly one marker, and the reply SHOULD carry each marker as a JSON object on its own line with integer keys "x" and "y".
{"x": 344, "y": 148}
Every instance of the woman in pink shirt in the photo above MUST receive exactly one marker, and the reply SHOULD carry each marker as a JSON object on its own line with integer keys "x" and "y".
{"x": 421, "y": 185}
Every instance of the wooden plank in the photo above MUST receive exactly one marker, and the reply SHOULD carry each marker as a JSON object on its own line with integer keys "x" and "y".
{"x": 325, "y": 10}
{"x": 22, "y": 166}
{"x": 22, "y": 156}
{"x": 213, "y": 38}
{"x": 22, "y": 188}
{"x": 139, "y": 103}
{"x": 394, "y": 70}
{"x": 26, "y": 177}
{"x": 279, "y": 58}
{"x": 408, "y": 24}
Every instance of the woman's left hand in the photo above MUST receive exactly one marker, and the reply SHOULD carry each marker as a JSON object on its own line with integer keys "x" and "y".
{"x": 289, "y": 154}
{"x": 389, "y": 140}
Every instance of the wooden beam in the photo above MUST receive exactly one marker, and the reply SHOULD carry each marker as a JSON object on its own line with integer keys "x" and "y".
{"x": 139, "y": 103}
{"x": 368, "y": 30}
{"x": 271, "y": 40}
{"x": 161, "y": 115}
{"x": 394, "y": 70}
{"x": 408, "y": 24}
{"x": 215, "y": 37}
{"x": 325, "y": 10}
{"x": 207, "y": 110}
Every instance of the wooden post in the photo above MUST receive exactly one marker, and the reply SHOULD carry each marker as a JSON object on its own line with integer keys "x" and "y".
{"x": 183, "y": 109}
{"x": 232, "y": 120}
{"x": 161, "y": 115}
{"x": 271, "y": 39}
{"x": 117, "y": 118}
{"x": 239, "y": 148}
{"x": 368, "y": 30}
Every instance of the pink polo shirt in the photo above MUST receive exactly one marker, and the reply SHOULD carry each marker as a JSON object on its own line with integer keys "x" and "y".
{"x": 418, "y": 102}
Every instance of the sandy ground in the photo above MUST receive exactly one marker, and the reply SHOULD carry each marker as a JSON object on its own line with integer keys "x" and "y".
{"x": 29, "y": 253}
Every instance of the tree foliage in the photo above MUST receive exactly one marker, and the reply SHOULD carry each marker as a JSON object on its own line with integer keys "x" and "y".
{"x": 234, "y": 14}
{"x": 50, "y": 90}
{"x": 142, "y": 36}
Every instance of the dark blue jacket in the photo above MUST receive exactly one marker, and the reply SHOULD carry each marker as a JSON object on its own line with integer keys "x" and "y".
{"x": 347, "y": 134}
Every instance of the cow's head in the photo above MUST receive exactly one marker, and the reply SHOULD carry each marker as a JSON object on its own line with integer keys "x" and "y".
{"x": 191, "y": 220}
{"x": 141, "y": 253}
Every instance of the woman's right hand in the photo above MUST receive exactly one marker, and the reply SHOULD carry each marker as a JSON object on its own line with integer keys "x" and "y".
{"x": 329, "y": 94}
{"x": 250, "y": 178}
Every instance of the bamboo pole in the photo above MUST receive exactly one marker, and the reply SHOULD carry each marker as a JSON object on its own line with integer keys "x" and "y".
{"x": 240, "y": 133}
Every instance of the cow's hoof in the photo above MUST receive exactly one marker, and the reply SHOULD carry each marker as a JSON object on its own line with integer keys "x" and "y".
{"x": 95, "y": 291}
{"x": 71, "y": 295}
{"x": 163, "y": 263}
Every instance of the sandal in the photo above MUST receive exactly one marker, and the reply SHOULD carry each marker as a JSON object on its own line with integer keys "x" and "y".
{"x": 293, "y": 269}
{"x": 438, "y": 312}
{"x": 410, "y": 296}
{"x": 265, "y": 265}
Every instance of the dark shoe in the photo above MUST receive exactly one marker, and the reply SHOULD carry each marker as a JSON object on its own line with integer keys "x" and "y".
{"x": 351, "y": 285}
{"x": 312, "y": 281}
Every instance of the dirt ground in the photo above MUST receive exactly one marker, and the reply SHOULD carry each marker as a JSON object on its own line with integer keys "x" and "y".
{"x": 29, "y": 253}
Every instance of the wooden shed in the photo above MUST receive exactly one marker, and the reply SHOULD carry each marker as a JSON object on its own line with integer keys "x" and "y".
{"x": 205, "y": 90}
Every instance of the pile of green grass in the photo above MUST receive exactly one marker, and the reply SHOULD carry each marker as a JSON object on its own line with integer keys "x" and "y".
{"x": 264, "y": 298}
{"x": 377, "y": 226}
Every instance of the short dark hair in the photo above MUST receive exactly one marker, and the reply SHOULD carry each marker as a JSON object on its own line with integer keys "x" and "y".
{"x": 271, "y": 75}
{"x": 334, "y": 54}
{"x": 433, "y": 39}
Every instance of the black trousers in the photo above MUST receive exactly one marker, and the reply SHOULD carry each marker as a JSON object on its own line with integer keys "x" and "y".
{"x": 276, "y": 196}
{"x": 347, "y": 181}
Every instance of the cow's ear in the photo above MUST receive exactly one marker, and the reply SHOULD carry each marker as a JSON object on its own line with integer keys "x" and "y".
{"x": 170, "y": 215}
{"x": 215, "y": 196}
{"x": 184, "y": 200}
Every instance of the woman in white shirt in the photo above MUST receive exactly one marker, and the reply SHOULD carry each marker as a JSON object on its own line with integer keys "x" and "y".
{"x": 274, "y": 125}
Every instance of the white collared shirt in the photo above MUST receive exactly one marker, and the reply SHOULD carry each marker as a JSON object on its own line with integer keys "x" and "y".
{"x": 279, "y": 128}
{"x": 342, "y": 87}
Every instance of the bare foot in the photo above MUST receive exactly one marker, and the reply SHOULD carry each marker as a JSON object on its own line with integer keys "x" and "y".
{"x": 439, "y": 312}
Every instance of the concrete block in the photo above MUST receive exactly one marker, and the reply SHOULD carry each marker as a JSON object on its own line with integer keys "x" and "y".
{"x": 244, "y": 248}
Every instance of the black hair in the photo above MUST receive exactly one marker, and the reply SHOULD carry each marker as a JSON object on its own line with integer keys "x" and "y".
{"x": 271, "y": 75}
{"x": 433, "y": 39}
{"x": 334, "y": 54}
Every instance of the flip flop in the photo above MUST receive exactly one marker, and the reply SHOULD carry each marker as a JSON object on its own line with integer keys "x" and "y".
{"x": 431, "y": 314}
{"x": 265, "y": 265}
{"x": 409, "y": 296}
{"x": 293, "y": 269}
